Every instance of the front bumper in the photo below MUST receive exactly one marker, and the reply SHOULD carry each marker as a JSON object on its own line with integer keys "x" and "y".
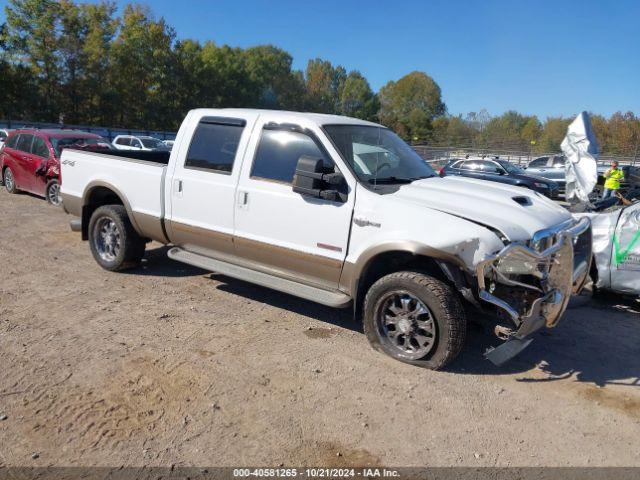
{"x": 553, "y": 266}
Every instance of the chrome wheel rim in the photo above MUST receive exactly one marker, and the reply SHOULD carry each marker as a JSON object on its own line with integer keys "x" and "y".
{"x": 405, "y": 325}
{"x": 107, "y": 240}
{"x": 8, "y": 179}
{"x": 54, "y": 194}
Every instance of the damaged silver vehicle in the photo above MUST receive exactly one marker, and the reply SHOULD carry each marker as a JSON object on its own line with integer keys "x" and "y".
{"x": 616, "y": 244}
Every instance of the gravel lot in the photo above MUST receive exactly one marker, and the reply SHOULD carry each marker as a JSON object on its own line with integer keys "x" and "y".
{"x": 169, "y": 364}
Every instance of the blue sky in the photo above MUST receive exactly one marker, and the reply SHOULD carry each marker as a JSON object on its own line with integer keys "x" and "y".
{"x": 538, "y": 57}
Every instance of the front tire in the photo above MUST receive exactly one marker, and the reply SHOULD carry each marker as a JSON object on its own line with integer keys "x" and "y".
{"x": 415, "y": 318}
{"x": 9, "y": 180}
{"x": 114, "y": 243}
{"x": 52, "y": 193}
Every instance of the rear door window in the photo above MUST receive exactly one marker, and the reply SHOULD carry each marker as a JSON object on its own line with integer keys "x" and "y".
{"x": 12, "y": 142}
{"x": 39, "y": 148}
{"x": 539, "y": 162}
{"x": 124, "y": 141}
{"x": 24, "y": 143}
{"x": 214, "y": 145}
{"x": 278, "y": 153}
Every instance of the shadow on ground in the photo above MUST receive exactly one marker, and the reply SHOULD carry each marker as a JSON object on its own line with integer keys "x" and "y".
{"x": 598, "y": 340}
{"x": 156, "y": 264}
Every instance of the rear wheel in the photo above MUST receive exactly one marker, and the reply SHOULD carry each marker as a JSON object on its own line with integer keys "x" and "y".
{"x": 9, "y": 180}
{"x": 52, "y": 192}
{"x": 114, "y": 243}
{"x": 415, "y": 318}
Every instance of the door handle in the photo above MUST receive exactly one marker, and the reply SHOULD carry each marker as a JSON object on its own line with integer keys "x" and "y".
{"x": 243, "y": 199}
{"x": 177, "y": 187}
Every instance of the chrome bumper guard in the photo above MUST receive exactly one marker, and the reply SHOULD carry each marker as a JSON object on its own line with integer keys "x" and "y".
{"x": 567, "y": 262}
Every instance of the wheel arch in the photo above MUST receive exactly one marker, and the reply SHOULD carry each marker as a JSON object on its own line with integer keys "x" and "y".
{"x": 390, "y": 257}
{"x": 97, "y": 194}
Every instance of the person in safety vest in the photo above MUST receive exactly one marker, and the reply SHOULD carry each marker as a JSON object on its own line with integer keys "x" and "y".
{"x": 612, "y": 177}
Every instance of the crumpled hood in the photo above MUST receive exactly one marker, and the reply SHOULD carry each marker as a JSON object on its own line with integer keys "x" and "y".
{"x": 487, "y": 203}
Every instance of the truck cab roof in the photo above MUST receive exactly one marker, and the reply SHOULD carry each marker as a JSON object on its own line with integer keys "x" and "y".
{"x": 288, "y": 116}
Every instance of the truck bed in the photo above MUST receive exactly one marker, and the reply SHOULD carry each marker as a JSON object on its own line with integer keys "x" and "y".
{"x": 137, "y": 178}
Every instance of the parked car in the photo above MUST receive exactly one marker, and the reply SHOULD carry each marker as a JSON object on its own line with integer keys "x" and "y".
{"x": 553, "y": 168}
{"x": 501, "y": 171}
{"x": 29, "y": 160}
{"x": 338, "y": 211}
{"x": 169, "y": 143}
{"x": 142, "y": 143}
{"x": 4, "y": 133}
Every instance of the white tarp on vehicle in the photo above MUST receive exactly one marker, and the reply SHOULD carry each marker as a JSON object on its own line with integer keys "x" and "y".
{"x": 581, "y": 150}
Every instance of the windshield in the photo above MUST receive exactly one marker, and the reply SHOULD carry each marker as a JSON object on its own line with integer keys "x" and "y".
{"x": 510, "y": 167}
{"x": 152, "y": 143}
{"x": 82, "y": 143}
{"x": 377, "y": 155}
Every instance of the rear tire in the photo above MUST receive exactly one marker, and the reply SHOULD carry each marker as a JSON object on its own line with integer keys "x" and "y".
{"x": 52, "y": 193}
{"x": 415, "y": 318}
{"x": 9, "y": 180}
{"x": 114, "y": 243}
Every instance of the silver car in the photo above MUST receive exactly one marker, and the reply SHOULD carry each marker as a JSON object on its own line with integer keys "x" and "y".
{"x": 551, "y": 167}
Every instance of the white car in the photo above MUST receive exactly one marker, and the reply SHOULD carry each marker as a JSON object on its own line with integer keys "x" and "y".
{"x": 342, "y": 212}
{"x": 4, "y": 133}
{"x": 142, "y": 143}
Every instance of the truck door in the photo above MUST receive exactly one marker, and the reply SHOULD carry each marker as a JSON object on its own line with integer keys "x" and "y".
{"x": 204, "y": 182}
{"x": 278, "y": 230}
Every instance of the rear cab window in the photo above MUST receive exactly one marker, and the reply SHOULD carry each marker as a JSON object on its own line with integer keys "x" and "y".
{"x": 214, "y": 144}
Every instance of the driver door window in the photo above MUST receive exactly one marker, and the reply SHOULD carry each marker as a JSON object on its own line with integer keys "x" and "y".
{"x": 278, "y": 153}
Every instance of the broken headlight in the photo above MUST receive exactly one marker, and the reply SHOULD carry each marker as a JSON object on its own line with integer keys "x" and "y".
{"x": 519, "y": 263}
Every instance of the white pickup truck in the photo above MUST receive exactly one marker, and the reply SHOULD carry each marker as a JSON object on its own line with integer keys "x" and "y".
{"x": 341, "y": 212}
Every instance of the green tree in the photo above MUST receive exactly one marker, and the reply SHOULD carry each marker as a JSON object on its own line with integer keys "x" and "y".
{"x": 410, "y": 105}
{"x": 32, "y": 36}
{"x": 531, "y": 131}
{"x": 553, "y": 132}
{"x": 142, "y": 74}
{"x": 357, "y": 99}
{"x": 324, "y": 84}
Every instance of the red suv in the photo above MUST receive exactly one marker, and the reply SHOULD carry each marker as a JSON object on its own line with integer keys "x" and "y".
{"x": 30, "y": 159}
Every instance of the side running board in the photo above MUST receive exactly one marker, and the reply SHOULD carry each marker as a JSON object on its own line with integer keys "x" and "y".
{"x": 325, "y": 297}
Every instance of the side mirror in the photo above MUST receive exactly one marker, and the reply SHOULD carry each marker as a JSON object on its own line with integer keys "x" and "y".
{"x": 311, "y": 180}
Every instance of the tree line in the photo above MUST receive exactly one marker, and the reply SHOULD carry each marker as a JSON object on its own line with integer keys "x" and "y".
{"x": 82, "y": 63}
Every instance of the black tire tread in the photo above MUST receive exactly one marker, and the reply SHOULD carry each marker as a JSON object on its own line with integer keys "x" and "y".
{"x": 448, "y": 302}
{"x": 134, "y": 245}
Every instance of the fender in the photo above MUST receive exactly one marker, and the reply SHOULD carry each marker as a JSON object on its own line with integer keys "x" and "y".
{"x": 99, "y": 183}
{"x": 352, "y": 272}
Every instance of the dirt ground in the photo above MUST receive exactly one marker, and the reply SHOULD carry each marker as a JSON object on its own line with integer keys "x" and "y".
{"x": 169, "y": 364}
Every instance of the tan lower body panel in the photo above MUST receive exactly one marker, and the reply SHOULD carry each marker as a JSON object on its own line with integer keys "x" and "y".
{"x": 307, "y": 267}
{"x": 201, "y": 240}
{"x": 150, "y": 226}
{"x": 72, "y": 204}
{"x": 284, "y": 262}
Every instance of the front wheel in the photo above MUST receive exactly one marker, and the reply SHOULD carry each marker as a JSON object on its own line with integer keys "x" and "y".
{"x": 9, "y": 180}
{"x": 415, "y": 318}
{"x": 114, "y": 243}
{"x": 52, "y": 193}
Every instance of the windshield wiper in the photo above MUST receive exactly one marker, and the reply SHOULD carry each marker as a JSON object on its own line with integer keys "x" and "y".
{"x": 392, "y": 180}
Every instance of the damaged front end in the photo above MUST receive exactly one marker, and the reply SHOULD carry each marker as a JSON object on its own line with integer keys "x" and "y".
{"x": 530, "y": 284}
